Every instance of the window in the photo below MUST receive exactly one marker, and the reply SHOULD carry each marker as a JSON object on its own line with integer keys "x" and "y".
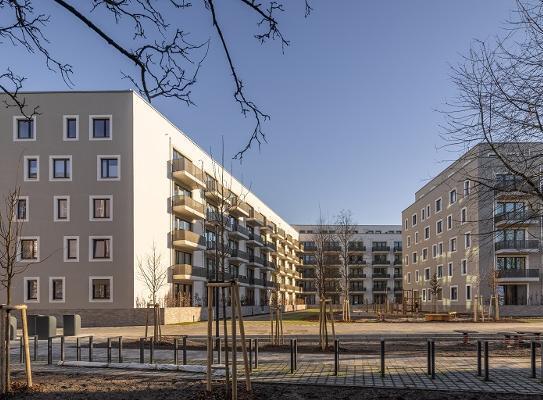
{"x": 71, "y": 248}
{"x": 427, "y": 233}
{"x": 467, "y": 188}
{"x": 414, "y": 257}
{"x": 426, "y": 274}
{"x": 31, "y": 289}
{"x": 24, "y": 128}
{"x": 434, "y": 250}
{"x": 440, "y": 249}
{"x": 468, "y": 292}
{"x": 409, "y": 277}
{"x": 454, "y": 293}
{"x": 416, "y": 237}
{"x": 100, "y": 248}
{"x": 405, "y": 224}
{"x": 428, "y": 211}
{"x": 56, "y": 289}
{"x": 101, "y": 208}
{"x": 467, "y": 240}
{"x": 463, "y": 216}
{"x": 21, "y": 212}
{"x": 183, "y": 258}
{"x": 424, "y": 254}
{"x": 417, "y": 275}
{"x": 100, "y": 127}
{"x": 452, "y": 244}
{"x": 438, "y": 205}
{"x": 452, "y": 197}
{"x": 109, "y": 168}
{"x": 31, "y": 168}
{"x": 409, "y": 241}
{"x": 439, "y": 272}
{"x": 423, "y": 214}
{"x": 464, "y": 267}
{"x": 28, "y": 249}
{"x": 61, "y": 208}
{"x": 450, "y": 269}
{"x": 100, "y": 288}
{"x": 60, "y": 168}
{"x": 70, "y": 127}
{"x": 439, "y": 226}
{"x": 423, "y": 294}
{"x": 449, "y": 222}
{"x": 406, "y": 260}
{"x": 414, "y": 220}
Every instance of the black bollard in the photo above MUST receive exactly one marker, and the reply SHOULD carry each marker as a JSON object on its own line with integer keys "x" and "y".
{"x": 532, "y": 358}
{"x": 336, "y": 356}
{"x": 77, "y": 349}
{"x": 256, "y": 353}
{"x": 120, "y": 349}
{"x": 142, "y": 350}
{"x": 251, "y": 355}
{"x": 151, "y": 350}
{"x": 291, "y": 356}
{"x": 487, "y": 372}
{"x": 433, "y": 359}
{"x": 35, "y": 348}
{"x": 91, "y": 346}
{"x": 62, "y": 347}
{"x": 428, "y": 357}
{"x": 108, "y": 350}
{"x": 295, "y": 354}
{"x": 49, "y": 351}
{"x": 184, "y": 350}
{"x": 479, "y": 353}
{"x": 382, "y": 357}
{"x": 175, "y": 351}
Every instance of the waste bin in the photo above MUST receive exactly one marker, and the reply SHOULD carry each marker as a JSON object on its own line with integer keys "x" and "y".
{"x": 72, "y": 324}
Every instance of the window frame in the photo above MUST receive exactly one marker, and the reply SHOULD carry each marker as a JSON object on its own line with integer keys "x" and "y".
{"x": 439, "y": 222}
{"x": 52, "y": 166}
{"x": 450, "y": 292}
{"x": 99, "y": 158}
{"x": 17, "y": 118}
{"x": 91, "y": 248}
{"x": 470, "y": 298}
{"x": 450, "y": 269}
{"x": 426, "y": 277}
{"x": 440, "y": 200}
{"x": 66, "y": 248}
{"x": 449, "y": 222}
{"x": 463, "y": 262}
{"x": 93, "y": 197}
{"x": 451, "y": 202}
{"x": 466, "y": 236}
{"x": 91, "y": 292}
{"x": 27, "y": 200}
{"x": 455, "y": 245}
{"x": 51, "y": 299}
{"x": 91, "y": 131}
{"x": 56, "y": 209}
{"x": 20, "y": 253}
{"x": 65, "y": 119}
{"x": 427, "y": 230}
{"x": 25, "y": 289}
{"x": 26, "y": 170}
{"x": 464, "y": 216}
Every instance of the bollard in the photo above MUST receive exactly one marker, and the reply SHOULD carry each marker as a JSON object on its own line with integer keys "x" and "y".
{"x": 336, "y": 356}
{"x": 428, "y": 358}
{"x": 77, "y": 349}
{"x": 479, "y": 351}
{"x": 382, "y": 357}
{"x": 250, "y": 355}
{"x": 49, "y": 351}
{"x": 109, "y": 350}
{"x": 532, "y": 358}
{"x": 292, "y": 367}
{"x": 218, "y": 347}
{"x": 91, "y": 346}
{"x": 433, "y": 359}
{"x": 184, "y": 350}
{"x": 120, "y": 349}
{"x": 151, "y": 350}
{"x": 487, "y": 372}
{"x": 142, "y": 350}
{"x": 175, "y": 351}
{"x": 256, "y": 353}
{"x": 295, "y": 354}
{"x": 35, "y": 348}
{"x": 62, "y": 348}
{"x": 21, "y": 349}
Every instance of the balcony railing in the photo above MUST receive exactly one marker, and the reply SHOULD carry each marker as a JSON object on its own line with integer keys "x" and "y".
{"x": 187, "y": 237}
{"x": 237, "y": 253}
{"x": 532, "y": 244}
{"x": 381, "y": 288}
{"x": 241, "y": 229}
{"x": 357, "y": 246}
{"x": 256, "y": 218}
{"x": 380, "y": 275}
{"x": 357, "y": 276}
{"x": 380, "y": 261}
{"x": 256, "y": 259}
{"x": 356, "y": 288}
{"x": 518, "y": 273}
{"x": 182, "y": 201}
{"x": 397, "y": 249}
{"x": 331, "y": 247}
{"x": 380, "y": 248}
{"x": 256, "y": 238}
{"x": 516, "y": 216}
{"x": 185, "y": 171}
{"x": 309, "y": 246}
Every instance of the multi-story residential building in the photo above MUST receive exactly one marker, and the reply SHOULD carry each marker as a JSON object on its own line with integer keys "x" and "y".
{"x": 476, "y": 234}
{"x": 375, "y": 265}
{"x": 103, "y": 178}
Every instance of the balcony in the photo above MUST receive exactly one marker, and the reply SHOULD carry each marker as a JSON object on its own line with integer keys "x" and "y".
{"x": 185, "y": 172}
{"x": 187, "y": 240}
{"x": 357, "y": 276}
{"x": 238, "y": 256}
{"x": 380, "y": 289}
{"x": 397, "y": 261}
{"x": 397, "y": 249}
{"x": 357, "y": 247}
{"x": 181, "y": 271}
{"x": 518, "y": 274}
{"x": 216, "y": 192}
{"x": 356, "y": 289}
{"x": 310, "y": 246}
{"x": 380, "y": 275}
{"x": 254, "y": 240}
{"x": 239, "y": 232}
{"x": 517, "y": 218}
{"x": 256, "y": 260}
{"x": 331, "y": 247}
{"x": 212, "y": 247}
{"x": 186, "y": 207}
{"x": 513, "y": 186}
{"x": 380, "y": 261}
{"x": 214, "y": 218}
{"x": 357, "y": 261}
{"x": 239, "y": 208}
{"x": 255, "y": 219}
{"x": 517, "y": 246}
{"x": 380, "y": 249}
{"x": 270, "y": 246}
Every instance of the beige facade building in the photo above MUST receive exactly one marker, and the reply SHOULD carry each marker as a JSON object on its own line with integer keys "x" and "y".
{"x": 103, "y": 178}
{"x": 475, "y": 236}
{"x": 375, "y": 265}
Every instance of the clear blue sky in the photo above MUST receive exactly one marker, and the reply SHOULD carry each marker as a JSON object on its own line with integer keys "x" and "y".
{"x": 352, "y": 100}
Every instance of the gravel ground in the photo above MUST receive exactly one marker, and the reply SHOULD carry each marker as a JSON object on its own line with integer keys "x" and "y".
{"x": 78, "y": 387}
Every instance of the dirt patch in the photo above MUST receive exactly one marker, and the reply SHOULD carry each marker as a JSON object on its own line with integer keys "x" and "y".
{"x": 86, "y": 387}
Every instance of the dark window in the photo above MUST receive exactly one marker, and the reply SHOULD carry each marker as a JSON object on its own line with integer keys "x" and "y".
{"x": 61, "y": 168}
{"x": 101, "y": 208}
{"x": 29, "y": 249}
{"x": 21, "y": 209}
{"x": 58, "y": 289}
{"x": 100, "y": 128}
{"x": 101, "y": 289}
{"x": 183, "y": 258}
{"x": 101, "y": 249}
{"x": 32, "y": 168}
{"x": 71, "y": 249}
{"x": 32, "y": 289}
{"x": 25, "y": 129}
{"x": 71, "y": 128}
{"x": 109, "y": 168}
{"x": 62, "y": 209}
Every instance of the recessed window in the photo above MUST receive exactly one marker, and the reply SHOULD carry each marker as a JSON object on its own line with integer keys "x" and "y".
{"x": 424, "y": 254}
{"x": 439, "y": 226}
{"x": 61, "y": 208}
{"x": 28, "y": 249}
{"x": 414, "y": 257}
{"x": 100, "y": 248}
{"x": 454, "y": 293}
{"x": 31, "y": 290}
{"x": 416, "y": 237}
{"x": 467, "y": 240}
{"x": 426, "y": 274}
{"x": 100, "y": 127}
{"x": 100, "y": 288}
{"x": 71, "y": 248}
{"x": 71, "y": 127}
{"x": 467, "y": 188}
{"x": 60, "y": 168}
{"x": 427, "y": 233}
{"x": 21, "y": 211}
{"x": 452, "y": 197}
{"x": 439, "y": 272}
{"x": 109, "y": 167}
{"x": 409, "y": 277}
{"x": 440, "y": 249}
{"x": 428, "y": 211}
{"x": 417, "y": 275}
{"x": 464, "y": 268}
{"x": 101, "y": 208}
{"x": 450, "y": 269}
{"x": 409, "y": 241}
{"x": 438, "y": 205}
{"x": 463, "y": 216}
{"x": 31, "y": 168}
{"x": 56, "y": 289}
{"x": 468, "y": 292}
{"x": 449, "y": 222}
{"x": 24, "y": 128}
{"x": 452, "y": 244}
{"x": 414, "y": 220}
{"x": 434, "y": 250}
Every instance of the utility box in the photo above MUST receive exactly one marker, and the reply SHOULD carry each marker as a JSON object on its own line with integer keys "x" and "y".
{"x": 31, "y": 321}
{"x": 46, "y": 326}
{"x": 72, "y": 324}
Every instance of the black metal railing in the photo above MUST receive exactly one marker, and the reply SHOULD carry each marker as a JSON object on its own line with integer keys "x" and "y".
{"x": 531, "y": 244}
{"x": 518, "y": 273}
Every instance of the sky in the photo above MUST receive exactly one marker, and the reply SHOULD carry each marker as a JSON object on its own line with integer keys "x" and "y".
{"x": 353, "y": 100}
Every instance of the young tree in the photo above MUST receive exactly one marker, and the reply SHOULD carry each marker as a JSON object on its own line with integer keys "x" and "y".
{"x": 152, "y": 273}
{"x": 434, "y": 289}
{"x": 344, "y": 234}
{"x": 165, "y": 61}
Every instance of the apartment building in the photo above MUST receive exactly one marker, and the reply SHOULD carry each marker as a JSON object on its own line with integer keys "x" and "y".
{"x": 475, "y": 231}
{"x": 375, "y": 264}
{"x": 103, "y": 178}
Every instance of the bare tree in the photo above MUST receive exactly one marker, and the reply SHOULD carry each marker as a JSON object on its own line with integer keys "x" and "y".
{"x": 152, "y": 273}
{"x": 165, "y": 62}
{"x": 344, "y": 234}
{"x": 322, "y": 237}
{"x": 434, "y": 290}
